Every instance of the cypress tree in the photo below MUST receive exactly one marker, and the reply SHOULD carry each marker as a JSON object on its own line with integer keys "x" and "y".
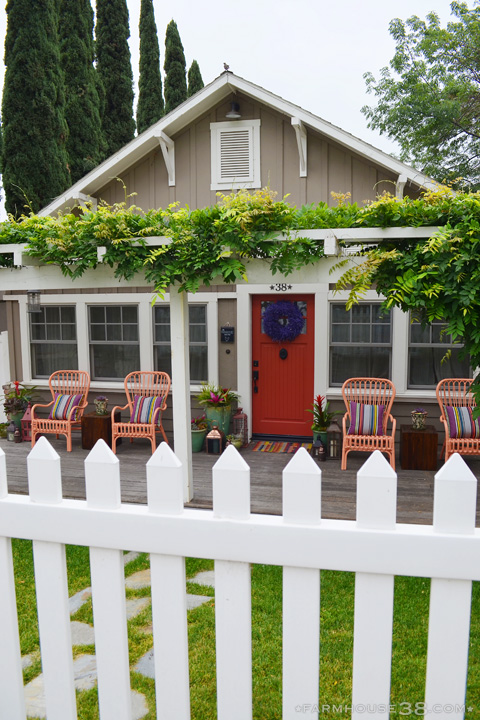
{"x": 115, "y": 72}
{"x": 35, "y": 168}
{"x": 85, "y": 143}
{"x": 195, "y": 81}
{"x": 175, "y": 69}
{"x": 150, "y": 107}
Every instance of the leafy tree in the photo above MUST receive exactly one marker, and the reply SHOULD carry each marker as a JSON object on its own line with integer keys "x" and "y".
{"x": 115, "y": 72}
{"x": 175, "y": 68}
{"x": 429, "y": 98}
{"x": 150, "y": 107}
{"x": 35, "y": 168}
{"x": 195, "y": 81}
{"x": 85, "y": 144}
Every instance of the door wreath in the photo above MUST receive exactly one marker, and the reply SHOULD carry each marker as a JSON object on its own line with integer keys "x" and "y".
{"x": 283, "y": 321}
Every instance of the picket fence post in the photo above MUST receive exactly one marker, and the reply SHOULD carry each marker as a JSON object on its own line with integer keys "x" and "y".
{"x": 454, "y": 511}
{"x": 50, "y": 567}
{"x": 233, "y": 605}
{"x": 301, "y": 592}
{"x": 373, "y": 613}
{"x": 102, "y": 480}
{"x": 12, "y": 700}
{"x": 168, "y": 585}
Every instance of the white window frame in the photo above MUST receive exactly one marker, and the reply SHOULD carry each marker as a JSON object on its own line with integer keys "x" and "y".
{"x": 253, "y": 180}
{"x": 191, "y": 344}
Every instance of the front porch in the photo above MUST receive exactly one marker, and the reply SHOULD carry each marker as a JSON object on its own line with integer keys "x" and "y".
{"x": 414, "y": 496}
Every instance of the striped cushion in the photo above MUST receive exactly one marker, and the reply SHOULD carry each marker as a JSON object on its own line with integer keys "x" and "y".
{"x": 63, "y": 405}
{"x": 144, "y": 409}
{"x": 461, "y": 423}
{"x": 366, "y": 419}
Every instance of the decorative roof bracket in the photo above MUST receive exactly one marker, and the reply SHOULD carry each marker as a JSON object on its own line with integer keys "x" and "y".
{"x": 168, "y": 150}
{"x": 84, "y": 199}
{"x": 301, "y": 133}
{"x": 399, "y": 186}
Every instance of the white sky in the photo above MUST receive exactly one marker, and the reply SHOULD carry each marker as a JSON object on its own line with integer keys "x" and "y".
{"x": 310, "y": 52}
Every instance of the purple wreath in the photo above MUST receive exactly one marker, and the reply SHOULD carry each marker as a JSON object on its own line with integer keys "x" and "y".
{"x": 283, "y": 321}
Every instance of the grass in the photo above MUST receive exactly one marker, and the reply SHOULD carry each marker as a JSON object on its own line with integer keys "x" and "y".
{"x": 410, "y": 630}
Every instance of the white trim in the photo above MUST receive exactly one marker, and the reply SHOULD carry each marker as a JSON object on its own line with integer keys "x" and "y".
{"x": 301, "y": 136}
{"x": 167, "y": 146}
{"x": 250, "y": 180}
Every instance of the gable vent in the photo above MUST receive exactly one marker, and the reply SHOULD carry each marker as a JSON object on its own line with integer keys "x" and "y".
{"x": 235, "y": 155}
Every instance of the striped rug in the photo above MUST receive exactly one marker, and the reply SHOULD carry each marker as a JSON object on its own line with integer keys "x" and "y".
{"x": 279, "y": 447}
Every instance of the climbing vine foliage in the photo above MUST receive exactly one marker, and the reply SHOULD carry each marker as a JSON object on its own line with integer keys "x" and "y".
{"x": 434, "y": 278}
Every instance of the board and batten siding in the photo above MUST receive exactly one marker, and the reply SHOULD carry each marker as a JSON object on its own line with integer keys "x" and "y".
{"x": 330, "y": 166}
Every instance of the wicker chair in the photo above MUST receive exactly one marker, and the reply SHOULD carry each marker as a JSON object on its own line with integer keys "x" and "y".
{"x": 69, "y": 390}
{"x": 455, "y": 393}
{"x": 374, "y": 393}
{"x": 147, "y": 394}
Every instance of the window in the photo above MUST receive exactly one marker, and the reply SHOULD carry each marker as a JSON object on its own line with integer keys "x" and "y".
{"x": 235, "y": 155}
{"x": 114, "y": 342}
{"x": 360, "y": 342}
{"x": 427, "y": 364}
{"x": 53, "y": 340}
{"x": 198, "y": 341}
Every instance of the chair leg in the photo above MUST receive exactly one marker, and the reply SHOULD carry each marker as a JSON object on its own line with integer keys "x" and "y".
{"x": 114, "y": 444}
{"x": 344, "y": 460}
{"x": 163, "y": 434}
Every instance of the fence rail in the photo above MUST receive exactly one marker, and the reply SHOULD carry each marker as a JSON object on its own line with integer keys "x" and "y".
{"x": 374, "y": 547}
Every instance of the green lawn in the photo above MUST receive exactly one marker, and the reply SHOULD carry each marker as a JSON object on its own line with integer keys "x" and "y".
{"x": 336, "y": 642}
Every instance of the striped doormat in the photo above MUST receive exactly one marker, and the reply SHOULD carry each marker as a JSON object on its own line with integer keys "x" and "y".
{"x": 279, "y": 447}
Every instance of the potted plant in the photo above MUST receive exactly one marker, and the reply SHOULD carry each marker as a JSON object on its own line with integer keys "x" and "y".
{"x": 419, "y": 415}
{"x": 101, "y": 404}
{"x": 199, "y": 430}
{"x": 322, "y": 418}
{"x": 217, "y": 402}
{"x": 235, "y": 440}
{"x": 16, "y": 400}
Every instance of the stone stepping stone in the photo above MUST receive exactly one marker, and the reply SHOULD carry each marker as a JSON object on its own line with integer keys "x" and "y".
{"x": 82, "y": 633}
{"x": 207, "y": 577}
{"x": 79, "y": 599}
{"x": 85, "y": 674}
{"x": 138, "y": 580}
{"x": 136, "y": 605}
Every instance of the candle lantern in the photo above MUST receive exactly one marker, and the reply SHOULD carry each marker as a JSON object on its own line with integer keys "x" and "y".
{"x": 318, "y": 451}
{"x": 11, "y": 432}
{"x": 27, "y": 424}
{"x": 334, "y": 440}
{"x": 240, "y": 426}
{"x": 215, "y": 441}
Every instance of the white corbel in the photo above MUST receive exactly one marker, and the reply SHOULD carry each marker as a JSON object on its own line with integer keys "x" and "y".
{"x": 168, "y": 150}
{"x": 301, "y": 135}
{"x": 399, "y": 187}
{"x": 330, "y": 245}
{"x": 84, "y": 200}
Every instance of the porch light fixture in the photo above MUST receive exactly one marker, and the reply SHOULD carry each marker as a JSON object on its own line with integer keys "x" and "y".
{"x": 33, "y": 301}
{"x": 234, "y": 112}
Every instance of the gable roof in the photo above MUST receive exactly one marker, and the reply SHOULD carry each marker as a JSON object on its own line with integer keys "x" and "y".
{"x": 206, "y": 98}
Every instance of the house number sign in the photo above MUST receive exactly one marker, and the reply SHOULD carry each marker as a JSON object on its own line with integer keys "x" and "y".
{"x": 280, "y": 287}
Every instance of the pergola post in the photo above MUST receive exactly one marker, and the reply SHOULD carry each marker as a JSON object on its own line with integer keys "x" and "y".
{"x": 181, "y": 386}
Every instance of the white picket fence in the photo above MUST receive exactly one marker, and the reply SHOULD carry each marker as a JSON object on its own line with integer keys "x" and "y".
{"x": 374, "y": 547}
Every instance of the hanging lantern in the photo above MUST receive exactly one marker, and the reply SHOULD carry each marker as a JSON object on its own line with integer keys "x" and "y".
{"x": 215, "y": 441}
{"x": 334, "y": 440}
{"x": 240, "y": 426}
{"x": 27, "y": 424}
{"x": 318, "y": 451}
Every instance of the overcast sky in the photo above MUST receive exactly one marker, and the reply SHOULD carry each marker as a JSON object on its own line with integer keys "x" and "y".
{"x": 310, "y": 52}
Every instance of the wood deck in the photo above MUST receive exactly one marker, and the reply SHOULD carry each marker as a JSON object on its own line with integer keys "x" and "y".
{"x": 414, "y": 498}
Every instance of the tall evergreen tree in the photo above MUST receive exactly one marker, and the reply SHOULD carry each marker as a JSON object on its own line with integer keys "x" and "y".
{"x": 195, "y": 80}
{"x": 175, "y": 68}
{"x": 115, "y": 72}
{"x": 150, "y": 107}
{"x": 35, "y": 168}
{"x": 85, "y": 143}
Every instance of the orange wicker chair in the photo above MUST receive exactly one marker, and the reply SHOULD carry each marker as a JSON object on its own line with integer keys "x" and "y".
{"x": 368, "y": 391}
{"x": 65, "y": 414}
{"x": 454, "y": 393}
{"x": 147, "y": 394}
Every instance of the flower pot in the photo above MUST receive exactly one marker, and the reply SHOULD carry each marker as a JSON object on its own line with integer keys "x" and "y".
{"x": 320, "y": 435}
{"x": 220, "y": 415}
{"x": 198, "y": 440}
{"x": 418, "y": 420}
{"x": 101, "y": 407}
{"x": 17, "y": 418}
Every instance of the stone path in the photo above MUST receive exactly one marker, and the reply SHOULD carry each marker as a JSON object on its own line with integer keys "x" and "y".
{"x": 84, "y": 666}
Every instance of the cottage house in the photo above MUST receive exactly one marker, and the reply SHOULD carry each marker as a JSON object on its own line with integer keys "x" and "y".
{"x": 232, "y": 134}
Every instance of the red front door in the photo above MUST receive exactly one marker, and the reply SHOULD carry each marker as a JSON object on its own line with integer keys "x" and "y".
{"x": 282, "y": 373}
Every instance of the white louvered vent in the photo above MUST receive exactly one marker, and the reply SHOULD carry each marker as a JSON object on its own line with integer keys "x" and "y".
{"x": 235, "y": 161}
{"x": 235, "y": 154}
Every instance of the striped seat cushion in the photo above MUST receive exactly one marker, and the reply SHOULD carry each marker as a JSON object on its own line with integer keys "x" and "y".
{"x": 461, "y": 423}
{"x": 366, "y": 419}
{"x": 63, "y": 405}
{"x": 144, "y": 409}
